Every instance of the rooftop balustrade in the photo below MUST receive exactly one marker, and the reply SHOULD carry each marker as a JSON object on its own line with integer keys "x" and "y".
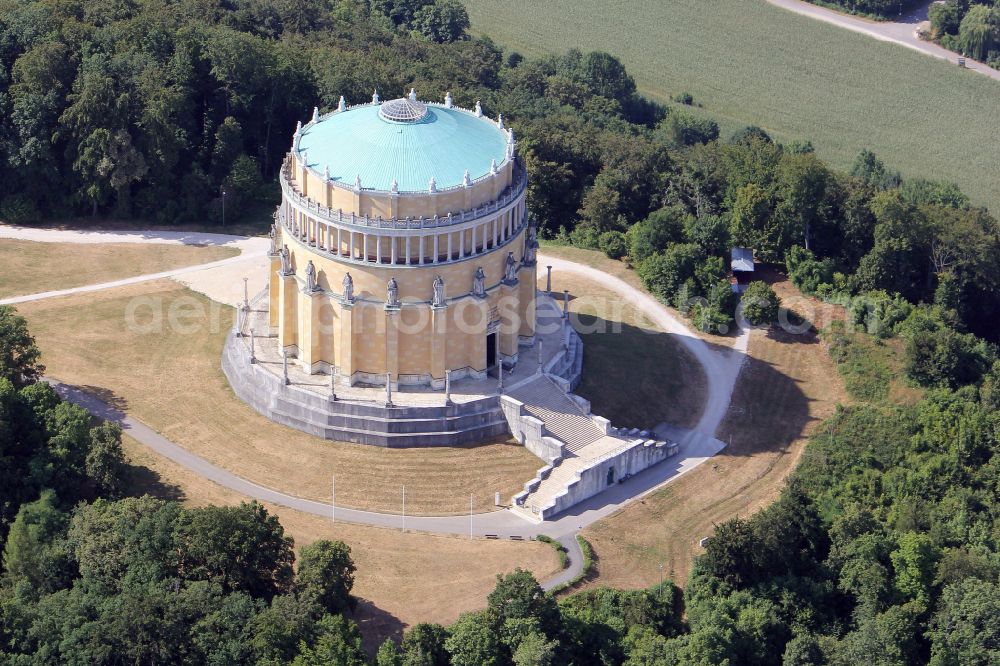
{"x": 510, "y": 194}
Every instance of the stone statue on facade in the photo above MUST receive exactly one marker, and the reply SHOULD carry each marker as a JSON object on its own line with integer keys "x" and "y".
{"x": 479, "y": 283}
{"x": 529, "y": 253}
{"x": 510, "y": 269}
{"x": 348, "y": 284}
{"x": 438, "y": 292}
{"x": 310, "y": 277}
{"x": 286, "y": 261}
{"x": 392, "y": 295}
{"x": 530, "y": 246}
{"x": 273, "y": 235}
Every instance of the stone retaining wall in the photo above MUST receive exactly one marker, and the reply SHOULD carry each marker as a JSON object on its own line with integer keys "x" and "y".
{"x": 593, "y": 479}
{"x": 529, "y": 431}
{"x": 363, "y": 423}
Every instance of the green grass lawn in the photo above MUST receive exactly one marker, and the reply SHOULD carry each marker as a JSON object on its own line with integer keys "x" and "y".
{"x": 748, "y": 62}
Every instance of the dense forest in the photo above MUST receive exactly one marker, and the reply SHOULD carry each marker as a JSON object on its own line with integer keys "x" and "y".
{"x": 154, "y": 109}
{"x": 883, "y": 548}
{"x": 92, "y": 577}
{"x": 971, "y": 28}
{"x": 880, "y": 9}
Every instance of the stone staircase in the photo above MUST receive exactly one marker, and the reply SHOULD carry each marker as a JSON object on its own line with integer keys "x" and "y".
{"x": 564, "y": 419}
{"x": 591, "y": 454}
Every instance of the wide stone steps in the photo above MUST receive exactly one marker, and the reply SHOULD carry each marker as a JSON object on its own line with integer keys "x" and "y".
{"x": 557, "y": 481}
{"x": 563, "y": 418}
{"x": 393, "y": 433}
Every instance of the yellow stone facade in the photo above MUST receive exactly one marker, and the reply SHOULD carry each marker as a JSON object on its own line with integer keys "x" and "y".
{"x": 412, "y": 238}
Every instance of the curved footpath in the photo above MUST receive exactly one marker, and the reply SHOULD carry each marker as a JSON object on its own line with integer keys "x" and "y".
{"x": 219, "y": 280}
{"x": 722, "y": 367}
{"x": 902, "y": 32}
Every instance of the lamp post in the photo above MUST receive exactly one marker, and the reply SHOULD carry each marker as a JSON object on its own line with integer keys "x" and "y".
{"x": 223, "y": 207}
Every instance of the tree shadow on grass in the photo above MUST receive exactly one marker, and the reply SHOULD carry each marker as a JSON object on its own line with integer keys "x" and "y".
{"x": 626, "y": 370}
{"x": 769, "y": 410}
{"x": 145, "y": 481}
{"x": 141, "y": 480}
{"x": 376, "y": 625}
{"x": 798, "y": 332}
{"x": 108, "y": 397}
{"x": 638, "y": 377}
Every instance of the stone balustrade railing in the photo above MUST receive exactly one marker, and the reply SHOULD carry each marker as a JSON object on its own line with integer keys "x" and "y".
{"x": 511, "y": 194}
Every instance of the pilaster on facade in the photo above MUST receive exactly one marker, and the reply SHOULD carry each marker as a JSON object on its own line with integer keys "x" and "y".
{"x": 288, "y": 301}
{"x": 274, "y": 291}
{"x": 311, "y": 333}
{"x": 509, "y": 320}
{"x": 344, "y": 351}
{"x": 439, "y": 345}
{"x": 392, "y": 340}
{"x": 527, "y": 291}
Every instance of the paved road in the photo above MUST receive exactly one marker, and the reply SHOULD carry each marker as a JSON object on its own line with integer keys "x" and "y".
{"x": 172, "y": 273}
{"x": 251, "y": 250}
{"x": 695, "y": 449}
{"x": 101, "y": 236}
{"x": 721, "y": 366}
{"x": 902, "y": 31}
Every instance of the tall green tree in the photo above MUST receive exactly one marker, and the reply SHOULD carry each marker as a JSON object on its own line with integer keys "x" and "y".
{"x": 326, "y": 574}
{"x": 19, "y": 357}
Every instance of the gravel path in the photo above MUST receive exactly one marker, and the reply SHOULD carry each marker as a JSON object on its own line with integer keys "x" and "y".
{"x": 903, "y": 31}
{"x": 722, "y": 367}
{"x": 220, "y": 280}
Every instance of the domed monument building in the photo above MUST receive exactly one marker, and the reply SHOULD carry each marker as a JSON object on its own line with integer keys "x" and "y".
{"x": 402, "y": 246}
{"x": 402, "y": 279}
{"x": 402, "y": 306}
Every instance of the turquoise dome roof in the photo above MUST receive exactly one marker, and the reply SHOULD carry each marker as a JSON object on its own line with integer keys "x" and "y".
{"x": 443, "y": 144}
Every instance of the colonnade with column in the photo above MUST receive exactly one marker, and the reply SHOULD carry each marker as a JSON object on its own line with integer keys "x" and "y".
{"x": 414, "y": 342}
{"x": 404, "y": 246}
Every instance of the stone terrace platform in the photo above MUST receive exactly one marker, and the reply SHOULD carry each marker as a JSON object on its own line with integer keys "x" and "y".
{"x": 417, "y": 416}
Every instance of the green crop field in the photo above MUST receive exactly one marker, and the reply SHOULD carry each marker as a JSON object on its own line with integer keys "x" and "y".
{"x": 748, "y": 62}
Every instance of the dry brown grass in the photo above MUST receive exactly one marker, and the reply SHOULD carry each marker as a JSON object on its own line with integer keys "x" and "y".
{"x": 618, "y": 269}
{"x": 787, "y": 388}
{"x": 30, "y": 267}
{"x": 172, "y": 381}
{"x": 402, "y": 579}
{"x": 633, "y": 373}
